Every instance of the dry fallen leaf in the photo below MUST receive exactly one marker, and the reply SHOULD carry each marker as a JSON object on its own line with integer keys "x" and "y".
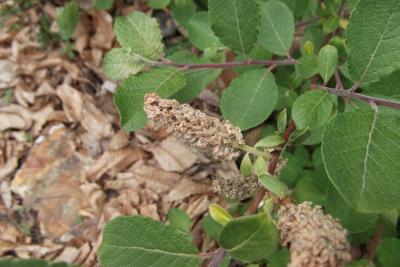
{"x": 49, "y": 182}
{"x": 173, "y": 155}
{"x": 8, "y": 71}
{"x": 114, "y": 161}
{"x": 186, "y": 188}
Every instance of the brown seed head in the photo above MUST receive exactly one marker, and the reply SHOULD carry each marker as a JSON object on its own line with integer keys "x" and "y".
{"x": 193, "y": 126}
{"x": 316, "y": 239}
{"x": 238, "y": 188}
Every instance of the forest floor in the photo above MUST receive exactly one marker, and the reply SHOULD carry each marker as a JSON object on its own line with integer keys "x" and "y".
{"x": 66, "y": 166}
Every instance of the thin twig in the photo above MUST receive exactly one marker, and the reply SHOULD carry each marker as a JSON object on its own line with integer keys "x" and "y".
{"x": 354, "y": 87}
{"x": 218, "y": 257}
{"x": 338, "y": 79}
{"x": 208, "y": 255}
{"x": 225, "y": 65}
{"x": 364, "y": 98}
{"x": 306, "y": 22}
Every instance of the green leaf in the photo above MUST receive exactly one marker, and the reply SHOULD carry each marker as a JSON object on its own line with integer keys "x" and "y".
{"x": 313, "y": 35}
{"x": 250, "y": 98}
{"x": 219, "y": 214}
{"x": 361, "y": 152}
{"x": 308, "y": 189}
{"x": 277, "y": 27}
{"x": 141, "y": 241}
{"x": 67, "y": 19}
{"x": 182, "y": 10}
{"x": 197, "y": 79}
{"x": 235, "y": 22}
{"x": 158, "y": 4}
{"x": 327, "y": 61}
{"x": 282, "y": 121}
{"x": 211, "y": 227}
{"x": 141, "y": 34}
{"x": 330, "y": 24}
{"x": 309, "y": 48}
{"x": 260, "y": 166}
{"x": 200, "y": 32}
{"x": 250, "y": 238}
{"x": 307, "y": 66}
{"x": 119, "y": 64}
{"x": 104, "y": 4}
{"x": 129, "y": 98}
{"x": 388, "y": 86}
{"x": 280, "y": 258}
{"x": 312, "y": 109}
{"x": 389, "y": 252}
{"x": 273, "y": 185}
{"x": 246, "y": 166}
{"x": 299, "y": 136}
{"x": 32, "y": 263}
{"x": 270, "y": 141}
{"x": 296, "y": 6}
{"x": 374, "y": 54}
{"x": 353, "y": 221}
{"x": 179, "y": 220}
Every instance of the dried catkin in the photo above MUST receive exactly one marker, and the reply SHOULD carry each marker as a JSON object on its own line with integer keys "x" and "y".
{"x": 193, "y": 126}
{"x": 316, "y": 239}
{"x": 238, "y": 188}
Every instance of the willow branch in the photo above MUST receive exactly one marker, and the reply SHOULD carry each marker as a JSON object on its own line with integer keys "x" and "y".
{"x": 226, "y": 65}
{"x": 271, "y": 169}
{"x": 364, "y": 98}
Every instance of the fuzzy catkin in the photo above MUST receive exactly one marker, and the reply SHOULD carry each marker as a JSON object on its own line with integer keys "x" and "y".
{"x": 193, "y": 126}
{"x": 316, "y": 239}
{"x": 237, "y": 188}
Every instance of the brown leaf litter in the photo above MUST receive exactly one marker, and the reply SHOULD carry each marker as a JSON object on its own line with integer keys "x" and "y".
{"x": 66, "y": 167}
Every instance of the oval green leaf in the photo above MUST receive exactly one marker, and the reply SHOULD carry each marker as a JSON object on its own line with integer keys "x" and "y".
{"x": 141, "y": 34}
{"x": 141, "y": 241}
{"x": 179, "y": 220}
{"x": 250, "y": 98}
{"x": 361, "y": 152}
{"x": 353, "y": 221}
{"x": 129, "y": 98}
{"x": 375, "y": 54}
{"x": 277, "y": 27}
{"x": 250, "y": 238}
{"x": 312, "y": 109}
{"x": 235, "y": 22}
{"x": 200, "y": 32}
{"x": 119, "y": 64}
{"x": 327, "y": 61}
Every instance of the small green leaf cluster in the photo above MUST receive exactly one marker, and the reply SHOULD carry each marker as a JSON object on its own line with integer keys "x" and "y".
{"x": 319, "y": 141}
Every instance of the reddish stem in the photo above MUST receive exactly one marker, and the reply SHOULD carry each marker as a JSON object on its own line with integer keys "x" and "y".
{"x": 271, "y": 169}
{"x": 233, "y": 64}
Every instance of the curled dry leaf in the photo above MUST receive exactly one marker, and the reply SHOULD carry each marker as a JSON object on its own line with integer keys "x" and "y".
{"x": 114, "y": 161}
{"x": 80, "y": 108}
